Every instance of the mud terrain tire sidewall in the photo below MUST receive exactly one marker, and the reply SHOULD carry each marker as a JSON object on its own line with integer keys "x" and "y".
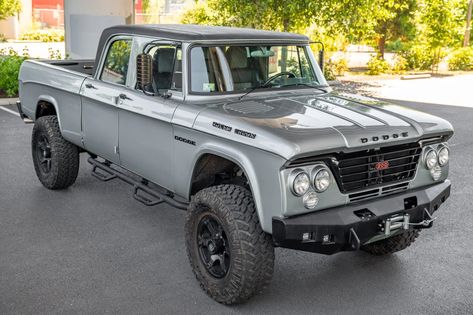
{"x": 64, "y": 155}
{"x": 252, "y": 251}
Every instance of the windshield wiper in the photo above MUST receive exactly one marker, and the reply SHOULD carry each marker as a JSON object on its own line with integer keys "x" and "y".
{"x": 251, "y": 90}
{"x": 317, "y": 87}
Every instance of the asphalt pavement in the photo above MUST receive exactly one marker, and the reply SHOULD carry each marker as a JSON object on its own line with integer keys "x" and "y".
{"x": 93, "y": 249}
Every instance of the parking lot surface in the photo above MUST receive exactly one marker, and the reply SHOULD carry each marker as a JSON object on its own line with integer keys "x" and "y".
{"x": 93, "y": 249}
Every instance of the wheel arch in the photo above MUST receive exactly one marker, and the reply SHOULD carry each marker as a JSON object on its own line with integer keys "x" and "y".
{"x": 47, "y": 105}
{"x": 237, "y": 158}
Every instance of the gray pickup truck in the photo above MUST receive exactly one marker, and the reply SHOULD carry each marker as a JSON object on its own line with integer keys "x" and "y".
{"x": 239, "y": 128}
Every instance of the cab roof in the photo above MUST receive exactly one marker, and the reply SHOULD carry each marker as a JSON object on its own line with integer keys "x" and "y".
{"x": 196, "y": 33}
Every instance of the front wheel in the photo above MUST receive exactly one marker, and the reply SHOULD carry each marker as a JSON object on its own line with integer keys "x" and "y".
{"x": 56, "y": 161}
{"x": 231, "y": 256}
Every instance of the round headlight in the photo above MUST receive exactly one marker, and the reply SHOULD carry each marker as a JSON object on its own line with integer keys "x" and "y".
{"x": 321, "y": 179}
{"x": 430, "y": 159}
{"x": 436, "y": 172}
{"x": 310, "y": 200}
{"x": 301, "y": 184}
{"x": 443, "y": 156}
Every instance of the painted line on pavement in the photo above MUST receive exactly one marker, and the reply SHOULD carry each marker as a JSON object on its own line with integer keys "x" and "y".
{"x": 9, "y": 111}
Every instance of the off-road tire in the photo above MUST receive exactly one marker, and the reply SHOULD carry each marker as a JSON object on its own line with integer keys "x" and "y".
{"x": 64, "y": 156}
{"x": 252, "y": 251}
{"x": 392, "y": 244}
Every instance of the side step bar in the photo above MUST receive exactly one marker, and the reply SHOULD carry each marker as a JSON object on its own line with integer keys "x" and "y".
{"x": 141, "y": 191}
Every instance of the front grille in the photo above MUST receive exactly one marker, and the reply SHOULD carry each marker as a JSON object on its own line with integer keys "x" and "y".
{"x": 356, "y": 171}
{"x": 388, "y": 190}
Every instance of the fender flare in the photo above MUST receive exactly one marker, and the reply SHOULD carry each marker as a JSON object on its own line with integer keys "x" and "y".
{"x": 240, "y": 159}
{"x": 51, "y": 100}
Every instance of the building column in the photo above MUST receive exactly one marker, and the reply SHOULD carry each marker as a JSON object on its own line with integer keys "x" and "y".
{"x": 85, "y": 20}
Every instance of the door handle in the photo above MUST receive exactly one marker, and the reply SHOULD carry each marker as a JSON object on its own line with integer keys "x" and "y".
{"x": 90, "y": 86}
{"x": 124, "y": 97}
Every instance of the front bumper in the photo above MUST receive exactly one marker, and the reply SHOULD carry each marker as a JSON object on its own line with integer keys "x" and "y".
{"x": 348, "y": 227}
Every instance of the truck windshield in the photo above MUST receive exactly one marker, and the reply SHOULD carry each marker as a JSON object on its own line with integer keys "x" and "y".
{"x": 216, "y": 69}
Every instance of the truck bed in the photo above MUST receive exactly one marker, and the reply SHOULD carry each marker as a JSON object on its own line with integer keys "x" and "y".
{"x": 85, "y": 66}
{"x": 57, "y": 82}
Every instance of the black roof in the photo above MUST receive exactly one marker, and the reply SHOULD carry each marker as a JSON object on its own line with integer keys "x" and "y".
{"x": 198, "y": 33}
{"x": 190, "y": 32}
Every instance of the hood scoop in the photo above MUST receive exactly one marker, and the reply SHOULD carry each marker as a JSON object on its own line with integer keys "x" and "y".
{"x": 250, "y": 107}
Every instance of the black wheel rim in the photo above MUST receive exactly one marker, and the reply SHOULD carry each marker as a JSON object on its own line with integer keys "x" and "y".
{"x": 213, "y": 246}
{"x": 43, "y": 154}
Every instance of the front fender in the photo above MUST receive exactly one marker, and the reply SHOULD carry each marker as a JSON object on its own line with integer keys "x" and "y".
{"x": 261, "y": 169}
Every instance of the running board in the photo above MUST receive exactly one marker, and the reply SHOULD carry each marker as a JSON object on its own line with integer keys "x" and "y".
{"x": 141, "y": 191}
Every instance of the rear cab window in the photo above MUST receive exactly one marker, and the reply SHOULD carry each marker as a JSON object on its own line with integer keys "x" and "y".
{"x": 115, "y": 67}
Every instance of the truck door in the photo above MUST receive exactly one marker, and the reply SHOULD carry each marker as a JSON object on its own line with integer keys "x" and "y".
{"x": 100, "y": 97}
{"x": 145, "y": 132}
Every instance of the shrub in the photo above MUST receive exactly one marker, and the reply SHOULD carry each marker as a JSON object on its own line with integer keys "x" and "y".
{"x": 2, "y": 38}
{"x": 10, "y": 63}
{"x": 461, "y": 59}
{"x": 329, "y": 72}
{"x": 400, "y": 64}
{"x": 46, "y": 36}
{"x": 377, "y": 65}
{"x": 335, "y": 67}
{"x": 340, "y": 66}
{"x": 418, "y": 57}
{"x": 54, "y": 54}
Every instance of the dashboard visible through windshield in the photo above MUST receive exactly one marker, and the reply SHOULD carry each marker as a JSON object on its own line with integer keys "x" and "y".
{"x": 217, "y": 69}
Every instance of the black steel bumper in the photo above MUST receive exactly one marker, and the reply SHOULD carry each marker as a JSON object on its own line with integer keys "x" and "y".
{"x": 348, "y": 227}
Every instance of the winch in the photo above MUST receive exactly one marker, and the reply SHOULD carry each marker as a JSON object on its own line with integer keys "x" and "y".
{"x": 398, "y": 222}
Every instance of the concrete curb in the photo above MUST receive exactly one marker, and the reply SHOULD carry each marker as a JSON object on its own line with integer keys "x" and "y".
{"x": 416, "y": 76}
{"x": 8, "y": 101}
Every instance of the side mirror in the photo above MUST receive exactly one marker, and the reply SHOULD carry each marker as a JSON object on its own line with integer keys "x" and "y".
{"x": 321, "y": 60}
{"x": 144, "y": 71}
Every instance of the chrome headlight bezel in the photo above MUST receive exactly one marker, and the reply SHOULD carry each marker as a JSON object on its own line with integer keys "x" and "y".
{"x": 440, "y": 149}
{"x": 317, "y": 172}
{"x": 430, "y": 162}
{"x": 292, "y": 182}
{"x": 310, "y": 200}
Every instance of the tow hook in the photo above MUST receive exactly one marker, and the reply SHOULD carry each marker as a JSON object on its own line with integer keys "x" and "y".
{"x": 426, "y": 223}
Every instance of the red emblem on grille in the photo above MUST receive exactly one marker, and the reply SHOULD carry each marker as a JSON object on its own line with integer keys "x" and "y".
{"x": 383, "y": 165}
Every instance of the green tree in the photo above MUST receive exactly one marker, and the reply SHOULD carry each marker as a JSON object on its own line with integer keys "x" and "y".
{"x": 466, "y": 37}
{"x": 438, "y": 26}
{"x": 263, "y": 14}
{"x": 9, "y": 8}
{"x": 393, "y": 19}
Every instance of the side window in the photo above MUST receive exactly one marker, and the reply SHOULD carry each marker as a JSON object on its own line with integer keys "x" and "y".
{"x": 167, "y": 67}
{"x": 115, "y": 66}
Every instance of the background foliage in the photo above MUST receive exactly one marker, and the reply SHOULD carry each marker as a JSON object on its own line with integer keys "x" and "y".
{"x": 10, "y": 63}
{"x": 9, "y": 8}
{"x": 422, "y": 32}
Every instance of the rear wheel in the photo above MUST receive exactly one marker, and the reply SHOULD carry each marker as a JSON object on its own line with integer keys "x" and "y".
{"x": 231, "y": 256}
{"x": 392, "y": 244}
{"x": 56, "y": 161}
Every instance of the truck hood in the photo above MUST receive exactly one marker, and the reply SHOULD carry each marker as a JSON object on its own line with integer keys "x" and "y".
{"x": 295, "y": 125}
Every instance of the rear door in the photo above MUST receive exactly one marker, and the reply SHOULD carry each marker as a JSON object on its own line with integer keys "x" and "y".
{"x": 100, "y": 98}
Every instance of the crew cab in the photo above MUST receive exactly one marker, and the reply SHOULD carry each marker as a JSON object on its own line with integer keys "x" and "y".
{"x": 239, "y": 128}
